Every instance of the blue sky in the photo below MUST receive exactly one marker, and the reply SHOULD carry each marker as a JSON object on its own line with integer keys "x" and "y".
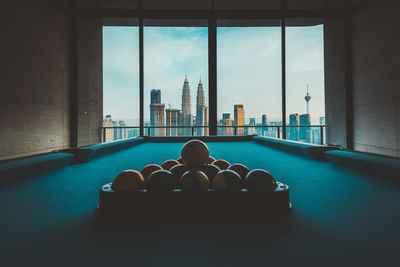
{"x": 249, "y": 68}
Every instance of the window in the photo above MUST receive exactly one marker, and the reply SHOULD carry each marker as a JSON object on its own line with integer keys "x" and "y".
{"x": 249, "y": 77}
{"x": 175, "y": 78}
{"x": 305, "y": 97}
{"x": 120, "y": 82}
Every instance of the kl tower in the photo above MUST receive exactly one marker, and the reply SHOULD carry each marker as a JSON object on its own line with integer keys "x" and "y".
{"x": 307, "y": 98}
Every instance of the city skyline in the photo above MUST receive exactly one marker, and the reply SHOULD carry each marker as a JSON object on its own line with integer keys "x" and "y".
{"x": 166, "y": 121}
{"x": 170, "y": 52}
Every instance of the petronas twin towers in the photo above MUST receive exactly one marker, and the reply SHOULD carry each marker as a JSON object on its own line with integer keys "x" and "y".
{"x": 183, "y": 117}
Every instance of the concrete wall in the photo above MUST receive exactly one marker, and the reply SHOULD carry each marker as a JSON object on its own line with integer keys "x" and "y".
{"x": 376, "y": 80}
{"x": 90, "y": 81}
{"x": 34, "y": 88}
{"x": 335, "y": 96}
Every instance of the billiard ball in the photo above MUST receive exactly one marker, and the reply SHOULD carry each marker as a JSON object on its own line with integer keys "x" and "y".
{"x": 227, "y": 180}
{"x": 160, "y": 181}
{"x": 195, "y": 154}
{"x": 240, "y": 169}
{"x": 210, "y": 170}
{"x": 177, "y": 171}
{"x": 222, "y": 164}
{"x": 259, "y": 180}
{"x": 168, "y": 164}
{"x": 149, "y": 169}
{"x": 210, "y": 160}
{"x": 194, "y": 181}
{"x": 128, "y": 181}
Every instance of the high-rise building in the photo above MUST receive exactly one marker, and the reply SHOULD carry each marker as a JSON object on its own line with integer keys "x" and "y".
{"x": 305, "y": 132}
{"x": 201, "y": 111}
{"x": 294, "y": 131}
{"x": 264, "y": 123}
{"x": 187, "y": 117}
{"x": 264, "y": 119}
{"x": 109, "y": 132}
{"x": 172, "y": 119}
{"x": 155, "y": 96}
{"x": 227, "y": 122}
{"x": 156, "y": 113}
{"x": 252, "y": 130}
{"x": 239, "y": 118}
{"x": 121, "y": 132}
{"x": 157, "y": 119}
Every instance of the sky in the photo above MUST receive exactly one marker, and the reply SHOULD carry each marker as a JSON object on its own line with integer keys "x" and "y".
{"x": 248, "y": 69}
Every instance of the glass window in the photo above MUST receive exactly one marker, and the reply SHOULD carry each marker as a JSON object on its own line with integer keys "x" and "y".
{"x": 120, "y": 82}
{"x": 175, "y": 77}
{"x": 305, "y": 85}
{"x": 249, "y": 77}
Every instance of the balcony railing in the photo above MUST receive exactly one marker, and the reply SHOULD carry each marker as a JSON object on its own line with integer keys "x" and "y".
{"x": 308, "y": 135}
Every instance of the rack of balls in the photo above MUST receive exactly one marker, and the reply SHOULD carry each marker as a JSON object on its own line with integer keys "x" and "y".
{"x": 196, "y": 183}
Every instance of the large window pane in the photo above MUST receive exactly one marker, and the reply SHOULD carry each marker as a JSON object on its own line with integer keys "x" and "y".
{"x": 305, "y": 98}
{"x": 175, "y": 78}
{"x": 249, "y": 77}
{"x": 120, "y": 81}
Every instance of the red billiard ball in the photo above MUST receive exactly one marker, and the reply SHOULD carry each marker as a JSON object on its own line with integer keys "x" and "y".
{"x": 210, "y": 160}
{"x": 222, "y": 164}
{"x": 168, "y": 164}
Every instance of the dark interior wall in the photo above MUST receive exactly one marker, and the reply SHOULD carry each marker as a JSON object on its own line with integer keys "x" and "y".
{"x": 90, "y": 81}
{"x": 34, "y": 90}
{"x": 335, "y": 83}
{"x": 376, "y": 32}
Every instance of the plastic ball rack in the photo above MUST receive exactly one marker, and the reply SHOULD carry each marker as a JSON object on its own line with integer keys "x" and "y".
{"x": 179, "y": 203}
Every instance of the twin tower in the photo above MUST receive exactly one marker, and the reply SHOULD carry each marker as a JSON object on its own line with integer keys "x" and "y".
{"x": 179, "y": 122}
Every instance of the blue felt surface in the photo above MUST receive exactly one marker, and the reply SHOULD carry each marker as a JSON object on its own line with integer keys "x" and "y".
{"x": 340, "y": 217}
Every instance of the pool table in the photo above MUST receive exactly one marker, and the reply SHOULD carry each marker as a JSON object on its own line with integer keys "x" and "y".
{"x": 346, "y": 209}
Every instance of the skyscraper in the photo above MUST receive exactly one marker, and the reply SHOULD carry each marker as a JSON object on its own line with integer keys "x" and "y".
{"x": 201, "y": 111}
{"x": 252, "y": 130}
{"x": 305, "y": 132}
{"x": 156, "y": 113}
{"x": 187, "y": 117}
{"x": 294, "y": 131}
{"x": 155, "y": 96}
{"x": 239, "y": 118}
{"x": 172, "y": 119}
{"x": 109, "y": 131}
{"x": 264, "y": 119}
{"x": 226, "y": 121}
{"x": 264, "y": 123}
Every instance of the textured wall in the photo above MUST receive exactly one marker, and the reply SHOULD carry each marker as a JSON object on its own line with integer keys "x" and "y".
{"x": 335, "y": 109}
{"x": 90, "y": 81}
{"x": 376, "y": 49}
{"x": 34, "y": 77}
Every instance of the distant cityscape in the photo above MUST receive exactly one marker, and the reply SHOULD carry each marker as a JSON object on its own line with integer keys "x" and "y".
{"x": 170, "y": 119}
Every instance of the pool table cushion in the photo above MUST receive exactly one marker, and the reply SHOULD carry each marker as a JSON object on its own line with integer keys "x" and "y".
{"x": 36, "y": 165}
{"x": 309, "y": 150}
{"x": 375, "y": 164}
